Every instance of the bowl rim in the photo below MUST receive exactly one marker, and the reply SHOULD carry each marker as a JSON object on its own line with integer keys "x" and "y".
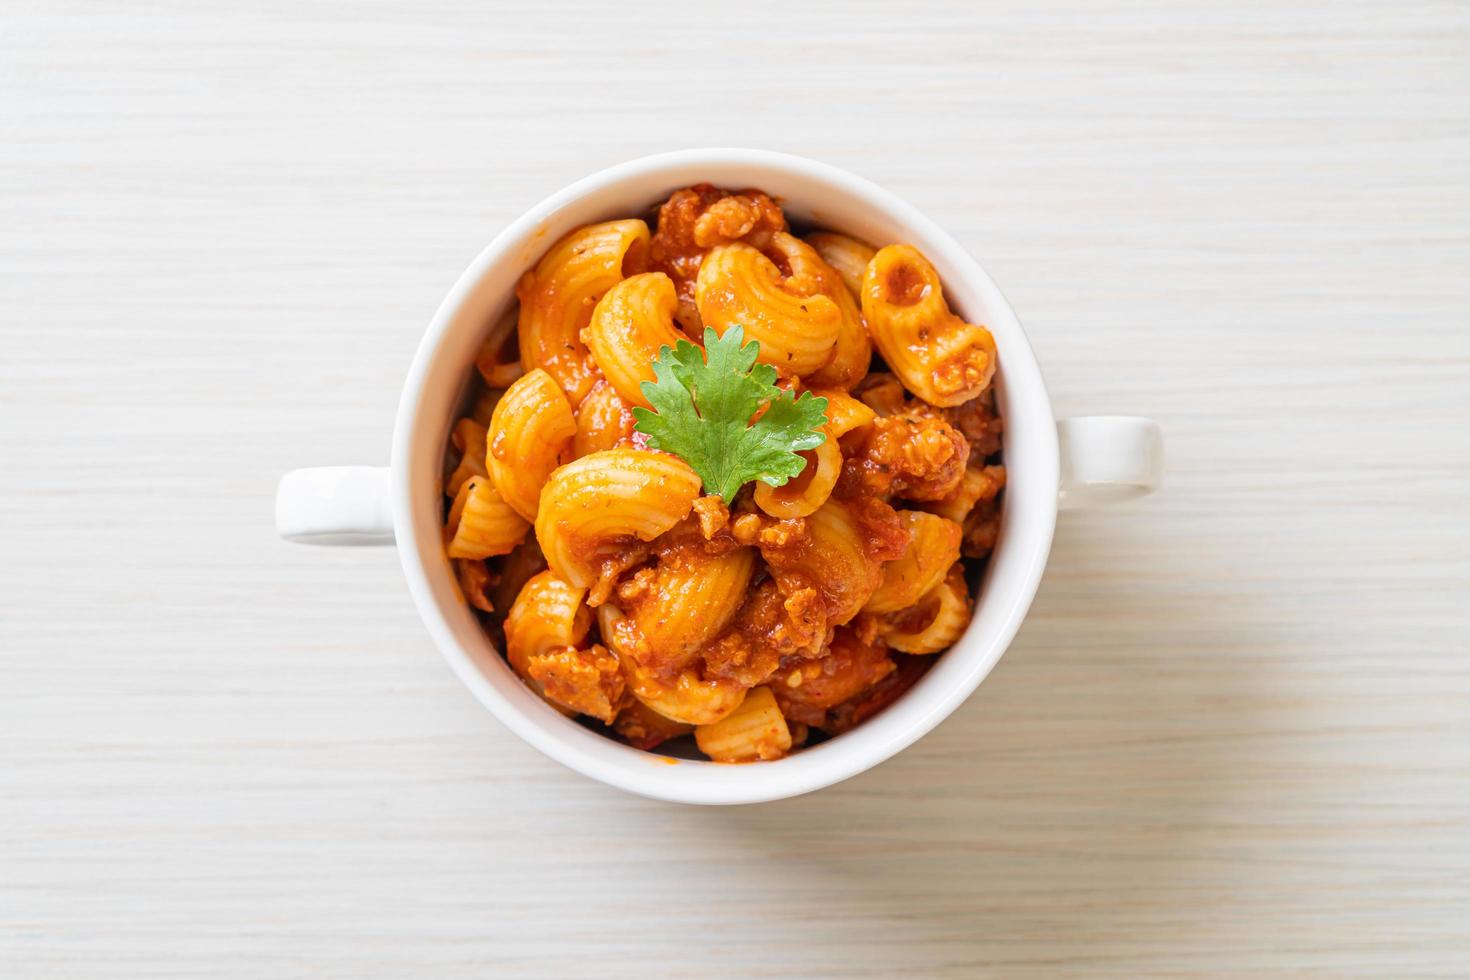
{"x": 908, "y": 719}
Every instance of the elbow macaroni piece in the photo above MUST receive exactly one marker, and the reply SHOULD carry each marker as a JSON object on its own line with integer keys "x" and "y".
{"x": 544, "y": 633}
{"x": 936, "y": 622}
{"x": 593, "y": 506}
{"x": 755, "y": 730}
{"x": 804, "y": 493}
{"x": 979, "y": 483}
{"x": 939, "y": 357}
{"x": 688, "y": 697}
{"x": 468, "y": 439}
{"x": 481, "y": 523}
{"x": 687, "y": 601}
{"x": 558, "y": 295}
{"x": 853, "y": 352}
{"x": 848, "y": 256}
{"x": 934, "y": 545}
{"x": 628, "y": 327}
{"x": 547, "y": 614}
{"x": 530, "y": 435}
{"x": 833, "y": 558}
{"x": 604, "y": 421}
{"x": 884, "y": 394}
{"x": 844, "y": 412}
{"x": 739, "y": 285}
{"x": 840, "y": 562}
{"x": 808, "y": 490}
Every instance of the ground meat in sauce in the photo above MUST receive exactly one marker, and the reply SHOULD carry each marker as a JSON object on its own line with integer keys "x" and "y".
{"x": 588, "y": 681}
{"x": 694, "y": 220}
{"x": 882, "y": 392}
{"x": 909, "y": 455}
{"x": 884, "y": 535}
{"x": 982, "y": 527}
{"x": 770, "y": 626}
{"x": 886, "y": 691}
{"x": 644, "y": 728}
{"x": 712, "y": 516}
{"x": 979, "y": 422}
{"x": 610, "y": 567}
{"x": 787, "y": 616}
{"x": 682, "y": 550}
{"x": 806, "y": 690}
{"x": 787, "y": 548}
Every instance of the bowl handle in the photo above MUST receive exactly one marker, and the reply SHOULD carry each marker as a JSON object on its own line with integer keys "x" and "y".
{"x": 1107, "y": 458}
{"x": 335, "y": 505}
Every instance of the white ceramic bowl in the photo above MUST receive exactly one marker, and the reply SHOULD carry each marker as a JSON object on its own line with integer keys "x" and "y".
{"x": 1100, "y": 457}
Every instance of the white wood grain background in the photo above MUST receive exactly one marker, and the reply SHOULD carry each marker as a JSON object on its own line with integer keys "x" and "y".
{"x": 1233, "y": 738}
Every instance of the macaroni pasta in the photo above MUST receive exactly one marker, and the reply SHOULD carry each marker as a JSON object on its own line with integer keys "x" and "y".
{"x": 624, "y": 591}
{"x": 557, "y": 298}
{"x": 530, "y": 434}
{"x": 939, "y": 357}
{"x": 481, "y": 524}
{"x": 628, "y": 327}
{"x": 796, "y": 326}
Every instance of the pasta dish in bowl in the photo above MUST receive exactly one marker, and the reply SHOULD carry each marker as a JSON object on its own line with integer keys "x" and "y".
{"x": 687, "y": 473}
{"x": 723, "y": 477}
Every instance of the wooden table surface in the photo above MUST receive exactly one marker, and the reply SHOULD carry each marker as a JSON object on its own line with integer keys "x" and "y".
{"x": 1232, "y": 738}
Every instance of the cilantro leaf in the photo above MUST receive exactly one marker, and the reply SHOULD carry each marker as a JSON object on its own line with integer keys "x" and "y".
{"x": 703, "y": 403}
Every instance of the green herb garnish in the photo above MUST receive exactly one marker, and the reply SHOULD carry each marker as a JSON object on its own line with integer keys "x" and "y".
{"x": 703, "y": 406}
